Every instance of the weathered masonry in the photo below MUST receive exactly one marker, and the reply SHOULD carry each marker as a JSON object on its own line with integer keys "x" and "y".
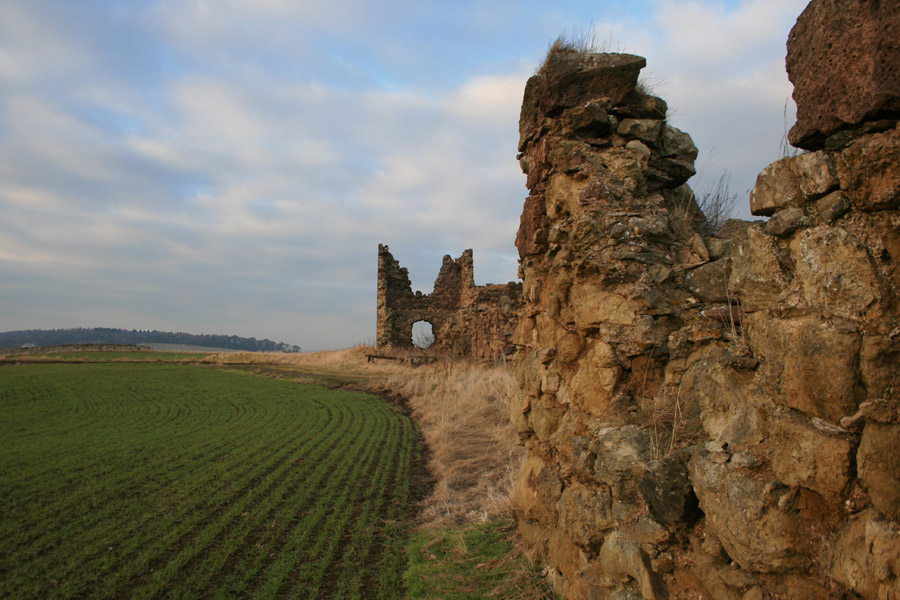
{"x": 466, "y": 319}
{"x": 714, "y": 412}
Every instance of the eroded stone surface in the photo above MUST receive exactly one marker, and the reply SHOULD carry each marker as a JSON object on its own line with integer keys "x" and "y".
{"x": 813, "y": 457}
{"x": 866, "y": 556}
{"x": 705, "y": 415}
{"x": 879, "y": 466}
{"x": 756, "y": 534}
{"x": 730, "y": 410}
{"x": 569, "y": 79}
{"x": 776, "y": 188}
{"x": 757, "y": 276}
{"x": 837, "y": 273}
{"x": 869, "y": 171}
{"x": 808, "y": 364}
{"x": 842, "y": 59}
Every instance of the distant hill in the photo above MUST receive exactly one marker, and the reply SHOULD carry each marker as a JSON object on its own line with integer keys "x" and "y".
{"x": 107, "y": 335}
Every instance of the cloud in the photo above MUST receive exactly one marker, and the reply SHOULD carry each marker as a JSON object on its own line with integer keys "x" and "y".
{"x": 231, "y": 166}
{"x": 721, "y": 69}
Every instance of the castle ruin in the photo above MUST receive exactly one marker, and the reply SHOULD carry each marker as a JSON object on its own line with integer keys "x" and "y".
{"x": 467, "y": 320}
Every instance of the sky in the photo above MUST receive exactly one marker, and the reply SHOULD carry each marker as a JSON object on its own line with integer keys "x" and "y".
{"x": 230, "y": 166}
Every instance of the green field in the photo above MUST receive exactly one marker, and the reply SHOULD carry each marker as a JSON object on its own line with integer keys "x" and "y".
{"x": 181, "y": 481}
{"x": 108, "y": 356}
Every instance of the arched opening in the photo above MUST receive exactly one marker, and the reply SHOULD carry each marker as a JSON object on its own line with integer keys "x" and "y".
{"x": 422, "y": 334}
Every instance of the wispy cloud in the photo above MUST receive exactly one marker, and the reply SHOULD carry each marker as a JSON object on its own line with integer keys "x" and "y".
{"x": 230, "y": 166}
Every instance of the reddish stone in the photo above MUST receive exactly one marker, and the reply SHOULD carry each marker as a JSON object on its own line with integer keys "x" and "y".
{"x": 532, "y": 236}
{"x": 843, "y": 57}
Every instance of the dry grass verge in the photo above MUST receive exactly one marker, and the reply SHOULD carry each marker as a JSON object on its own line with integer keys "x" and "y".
{"x": 463, "y": 411}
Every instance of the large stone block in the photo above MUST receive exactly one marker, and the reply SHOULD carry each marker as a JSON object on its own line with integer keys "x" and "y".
{"x": 793, "y": 181}
{"x": 543, "y": 420}
{"x": 807, "y": 364}
{"x": 564, "y": 555}
{"x": 837, "y": 274}
{"x": 594, "y": 304}
{"x": 777, "y": 188}
{"x": 865, "y": 556}
{"x": 595, "y": 380}
{"x": 667, "y": 490}
{"x": 586, "y": 513}
{"x": 729, "y": 410}
{"x": 537, "y": 490}
{"x": 755, "y": 533}
{"x": 842, "y": 58}
{"x": 756, "y": 278}
{"x": 625, "y": 571}
{"x": 815, "y": 173}
{"x": 813, "y": 457}
{"x": 646, "y": 130}
{"x": 869, "y": 171}
{"x": 710, "y": 281}
{"x": 623, "y": 454}
{"x": 878, "y": 461}
{"x": 675, "y": 143}
{"x": 532, "y": 235}
{"x": 879, "y": 358}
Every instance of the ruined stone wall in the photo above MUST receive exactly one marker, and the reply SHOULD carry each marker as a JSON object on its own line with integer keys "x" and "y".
{"x": 710, "y": 416}
{"x": 467, "y": 320}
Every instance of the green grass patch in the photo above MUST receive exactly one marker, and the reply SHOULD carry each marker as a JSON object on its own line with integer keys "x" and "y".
{"x": 469, "y": 562}
{"x": 180, "y": 481}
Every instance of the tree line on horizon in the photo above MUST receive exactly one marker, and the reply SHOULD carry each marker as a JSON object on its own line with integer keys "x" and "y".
{"x": 108, "y": 335}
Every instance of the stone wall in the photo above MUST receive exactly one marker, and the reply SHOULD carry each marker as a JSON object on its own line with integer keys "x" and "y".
{"x": 708, "y": 416}
{"x": 467, "y": 320}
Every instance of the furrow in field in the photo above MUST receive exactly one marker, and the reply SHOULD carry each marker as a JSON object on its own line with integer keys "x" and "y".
{"x": 91, "y": 555}
{"x": 189, "y": 518}
{"x": 252, "y": 546}
{"x": 110, "y": 503}
{"x": 345, "y": 575}
{"x": 319, "y": 515}
{"x": 228, "y": 513}
{"x": 315, "y": 555}
{"x": 299, "y": 503}
{"x": 77, "y": 480}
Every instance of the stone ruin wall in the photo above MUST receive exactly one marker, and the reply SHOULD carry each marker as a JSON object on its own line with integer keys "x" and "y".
{"x": 467, "y": 320}
{"x": 714, "y": 416}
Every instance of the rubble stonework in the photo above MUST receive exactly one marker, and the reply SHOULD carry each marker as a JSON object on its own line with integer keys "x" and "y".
{"x": 704, "y": 415}
{"x": 467, "y": 320}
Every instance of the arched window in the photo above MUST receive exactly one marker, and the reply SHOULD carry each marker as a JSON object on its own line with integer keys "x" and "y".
{"x": 422, "y": 334}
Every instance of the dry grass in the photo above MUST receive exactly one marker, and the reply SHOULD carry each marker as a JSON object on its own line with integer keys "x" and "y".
{"x": 580, "y": 40}
{"x": 463, "y": 411}
{"x": 717, "y": 205}
{"x": 671, "y": 422}
{"x": 331, "y": 358}
{"x": 584, "y": 41}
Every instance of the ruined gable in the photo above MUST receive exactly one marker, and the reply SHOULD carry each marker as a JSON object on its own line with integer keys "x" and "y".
{"x": 467, "y": 320}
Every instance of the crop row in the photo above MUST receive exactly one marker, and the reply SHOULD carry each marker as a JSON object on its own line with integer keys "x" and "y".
{"x": 166, "y": 481}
